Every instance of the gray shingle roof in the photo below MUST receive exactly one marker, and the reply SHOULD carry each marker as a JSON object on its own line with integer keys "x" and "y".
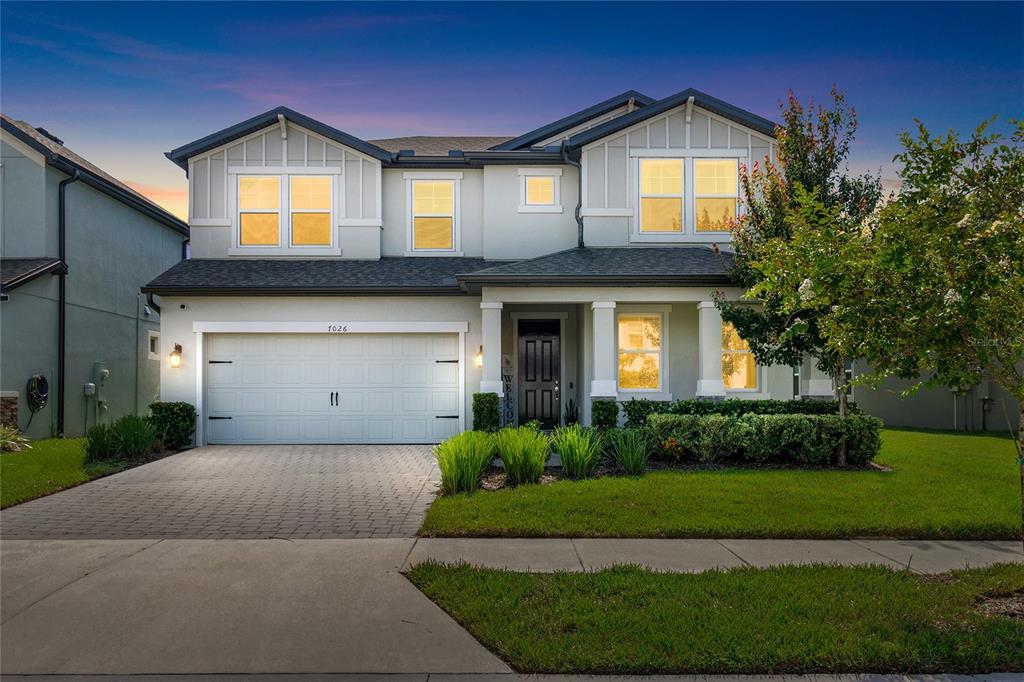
{"x": 427, "y": 145}
{"x": 631, "y": 265}
{"x": 387, "y": 275}
{"x": 17, "y": 271}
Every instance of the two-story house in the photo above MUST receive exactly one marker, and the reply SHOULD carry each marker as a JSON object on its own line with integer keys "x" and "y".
{"x": 78, "y": 342}
{"x": 360, "y": 291}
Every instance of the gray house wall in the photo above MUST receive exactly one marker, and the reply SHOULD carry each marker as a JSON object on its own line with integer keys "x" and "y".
{"x": 112, "y": 250}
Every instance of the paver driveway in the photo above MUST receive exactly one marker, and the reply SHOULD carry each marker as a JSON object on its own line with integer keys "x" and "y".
{"x": 252, "y": 491}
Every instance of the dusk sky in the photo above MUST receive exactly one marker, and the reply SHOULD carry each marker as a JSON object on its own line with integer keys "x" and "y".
{"x": 122, "y": 83}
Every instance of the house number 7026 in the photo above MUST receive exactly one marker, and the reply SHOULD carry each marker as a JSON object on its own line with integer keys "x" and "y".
{"x": 337, "y": 327}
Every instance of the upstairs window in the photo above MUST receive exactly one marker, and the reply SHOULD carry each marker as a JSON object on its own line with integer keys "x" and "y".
{"x": 716, "y": 193}
{"x": 739, "y": 370}
{"x": 661, "y": 195}
{"x": 639, "y": 352}
{"x": 540, "y": 190}
{"x": 259, "y": 206}
{"x": 310, "y": 206}
{"x": 433, "y": 215}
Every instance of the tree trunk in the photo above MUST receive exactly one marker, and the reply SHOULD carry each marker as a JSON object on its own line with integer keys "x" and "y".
{"x": 1020, "y": 466}
{"x": 839, "y": 383}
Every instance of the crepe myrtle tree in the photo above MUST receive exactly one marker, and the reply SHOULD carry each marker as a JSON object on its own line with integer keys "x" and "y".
{"x": 810, "y": 166}
{"x": 943, "y": 302}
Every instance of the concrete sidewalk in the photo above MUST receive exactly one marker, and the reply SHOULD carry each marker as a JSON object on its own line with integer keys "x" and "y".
{"x": 691, "y": 556}
{"x": 513, "y": 677}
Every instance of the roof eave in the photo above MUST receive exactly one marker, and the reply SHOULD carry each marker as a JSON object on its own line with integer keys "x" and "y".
{"x": 302, "y": 291}
{"x": 56, "y": 267}
{"x": 567, "y": 122}
{"x": 611, "y": 280}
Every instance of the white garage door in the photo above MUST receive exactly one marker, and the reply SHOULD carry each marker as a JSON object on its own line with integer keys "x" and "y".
{"x": 332, "y": 388}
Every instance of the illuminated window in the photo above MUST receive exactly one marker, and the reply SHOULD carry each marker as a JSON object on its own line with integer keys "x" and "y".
{"x": 539, "y": 190}
{"x": 739, "y": 370}
{"x": 433, "y": 215}
{"x": 716, "y": 192}
{"x": 259, "y": 210}
{"x": 639, "y": 352}
{"x": 310, "y": 208}
{"x": 661, "y": 195}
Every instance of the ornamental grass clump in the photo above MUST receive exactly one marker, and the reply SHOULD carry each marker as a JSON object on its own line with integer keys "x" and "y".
{"x": 463, "y": 459}
{"x": 523, "y": 452}
{"x": 579, "y": 448}
{"x": 132, "y": 436}
{"x": 630, "y": 449}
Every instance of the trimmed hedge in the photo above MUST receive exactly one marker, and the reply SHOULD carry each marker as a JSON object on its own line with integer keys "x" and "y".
{"x": 638, "y": 410}
{"x": 766, "y": 438}
{"x": 486, "y": 412}
{"x": 604, "y": 413}
{"x": 175, "y": 422}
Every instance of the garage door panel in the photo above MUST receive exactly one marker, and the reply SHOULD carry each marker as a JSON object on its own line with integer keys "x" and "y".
{"x": 346, "y": 388}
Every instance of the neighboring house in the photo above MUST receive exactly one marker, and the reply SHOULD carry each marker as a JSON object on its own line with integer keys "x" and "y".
{"x": 348, "y": 290}
{"x": 77, "y": 245}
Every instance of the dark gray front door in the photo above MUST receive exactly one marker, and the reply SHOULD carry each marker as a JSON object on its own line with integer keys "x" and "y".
{"x": 539, "y": 372}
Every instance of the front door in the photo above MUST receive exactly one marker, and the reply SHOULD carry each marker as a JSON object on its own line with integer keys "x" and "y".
{"x": 540, "y": 370}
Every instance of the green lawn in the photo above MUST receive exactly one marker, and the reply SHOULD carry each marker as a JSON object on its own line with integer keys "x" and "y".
{"x": 51, "y": 465}
{"x": 796, "y": 619}
{"x": 942, "y": 486}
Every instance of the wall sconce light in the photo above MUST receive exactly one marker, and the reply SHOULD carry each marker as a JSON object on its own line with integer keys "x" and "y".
{"x": 175, "y": 357}
{"x": 479, "y": 359}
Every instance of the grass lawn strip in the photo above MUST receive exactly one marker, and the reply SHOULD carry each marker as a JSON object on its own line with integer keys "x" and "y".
{"x": 793, "y": 619}
{"x": 49, "y": 466}
{"x": 942, "y": 486}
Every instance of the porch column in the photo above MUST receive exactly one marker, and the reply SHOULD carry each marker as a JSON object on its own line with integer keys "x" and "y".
{"x": 818, "y": 385}
{"x": 709, "y": 351}
{"x": 604, "y": 383}
{"x": 490, "y": 312}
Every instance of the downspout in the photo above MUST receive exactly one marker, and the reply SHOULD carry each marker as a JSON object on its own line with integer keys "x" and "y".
{"x": 579, "y": 193}
{"x": 62, "y": 293}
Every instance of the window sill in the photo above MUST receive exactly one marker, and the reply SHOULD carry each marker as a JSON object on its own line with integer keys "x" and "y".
{"x": 432, "y": 254}
{"x": 252, "y": 252}
{"x": 540, "y": 209}
{"x": 748, "y": 395}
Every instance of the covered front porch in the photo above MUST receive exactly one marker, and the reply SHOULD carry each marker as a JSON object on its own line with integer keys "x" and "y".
{"x": 548, "y": 352}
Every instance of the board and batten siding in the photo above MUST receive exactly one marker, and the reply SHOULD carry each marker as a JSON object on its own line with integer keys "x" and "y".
{"x": 608, "y": 188}
{"x": 208, "y": 173}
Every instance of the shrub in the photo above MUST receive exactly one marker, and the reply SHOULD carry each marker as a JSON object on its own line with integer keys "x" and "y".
{"x": 579, "y": 448}
{"x": 463, "y": 459}
{"x": 486, "y": 412}
{"x": 175, "y": 422}
{"x": 630, "y": 449}
{"x": 99, "y": 443}
{"x": 863, "y": 438}
{"x": 677, "y": 435}
{"x": 523, "y": 452}
{"x": 133, "y": 436}
{"x": 777, "y": 437}
{"x": 638, "y": 410}
{"x": 12, "y": 440}
{"x": 722, "y": 438}
{"x": 605, "y": 414}
{"x": 735, "y": 407}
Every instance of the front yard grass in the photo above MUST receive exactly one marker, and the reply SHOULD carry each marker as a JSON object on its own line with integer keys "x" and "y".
{"x": 942, "y": 486}
{"x": 51, "y": 465}
{"x": 795, "y": 619}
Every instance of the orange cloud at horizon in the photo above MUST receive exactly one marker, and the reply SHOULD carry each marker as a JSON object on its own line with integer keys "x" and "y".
{"x": 172, "y": 199}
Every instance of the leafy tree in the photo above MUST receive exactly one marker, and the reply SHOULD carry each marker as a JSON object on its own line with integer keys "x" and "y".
{"x": 945, "y": 303}
{"x": 810, "y": 169}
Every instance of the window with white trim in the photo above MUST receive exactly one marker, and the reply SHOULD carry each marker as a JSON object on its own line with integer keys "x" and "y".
{"x": 433, "y": 215}
{"x": 716, "y": 192}
{"x": 640, "y": 351}
{"x": 280, "y": 212}
{"x": 540, "y": 190}
{"x": 739, "y": 369}
{"x": 661, "y": 195}
{"x": 153, "y": 345}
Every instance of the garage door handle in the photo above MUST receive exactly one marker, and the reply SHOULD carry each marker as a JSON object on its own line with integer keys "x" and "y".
{"x": 445, "y": 362}
{"x": 220, "y": 362}
{"x": 218, "y": 417}
{"x": 447, "y": 416}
